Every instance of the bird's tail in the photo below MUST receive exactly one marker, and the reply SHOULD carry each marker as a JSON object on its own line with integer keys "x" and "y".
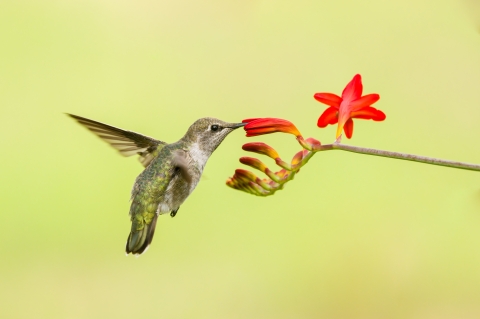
{"x": 139, "y": 240}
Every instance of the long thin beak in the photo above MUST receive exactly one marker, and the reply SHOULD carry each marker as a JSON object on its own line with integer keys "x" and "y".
{"x": 237, "y": 125}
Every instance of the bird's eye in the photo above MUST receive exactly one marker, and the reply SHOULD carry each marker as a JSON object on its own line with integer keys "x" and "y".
{"x": 214, "y": 127}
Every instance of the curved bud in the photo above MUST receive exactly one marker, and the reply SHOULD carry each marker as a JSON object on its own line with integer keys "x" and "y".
{"x": 253, "y": 162}
{"x": 261, "y": 148}
{"x": 245, "y": 175}
{"x": 297, "y": 159}
{"x": 258, "y": 190}
{"x": 282, "y": 174}
{"x": 313, "y": 142}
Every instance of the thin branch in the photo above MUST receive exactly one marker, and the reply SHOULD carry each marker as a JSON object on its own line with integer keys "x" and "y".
{"x": 402, "y": 156}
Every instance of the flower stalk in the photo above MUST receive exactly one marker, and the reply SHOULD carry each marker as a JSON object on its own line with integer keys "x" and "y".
{"x": 401, "y": 156}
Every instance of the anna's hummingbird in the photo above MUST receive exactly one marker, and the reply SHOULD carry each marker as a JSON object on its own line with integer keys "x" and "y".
{"x": 171, "y": 170}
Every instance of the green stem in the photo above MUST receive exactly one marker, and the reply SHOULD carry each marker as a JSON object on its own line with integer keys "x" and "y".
{"x": 402, "y": 156}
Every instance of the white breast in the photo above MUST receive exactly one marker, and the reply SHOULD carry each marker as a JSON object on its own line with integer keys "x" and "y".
{"x": 199, "y": 156}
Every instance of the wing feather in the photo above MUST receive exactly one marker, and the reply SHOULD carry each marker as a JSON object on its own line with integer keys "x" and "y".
{"x": 127, "y": 143}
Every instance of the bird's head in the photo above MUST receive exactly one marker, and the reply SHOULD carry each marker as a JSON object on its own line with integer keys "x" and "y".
{"x": 208, "y": 133}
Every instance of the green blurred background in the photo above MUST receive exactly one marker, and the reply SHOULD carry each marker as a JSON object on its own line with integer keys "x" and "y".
{"x": 352, "y": 237}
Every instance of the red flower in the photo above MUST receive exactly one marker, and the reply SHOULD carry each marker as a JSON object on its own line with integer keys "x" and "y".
{"x": 260, "y": 126}
{"x": 351, "y": 105}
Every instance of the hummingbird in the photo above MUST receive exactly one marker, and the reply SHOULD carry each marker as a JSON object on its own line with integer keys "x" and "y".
{"x": 172, "y": 171}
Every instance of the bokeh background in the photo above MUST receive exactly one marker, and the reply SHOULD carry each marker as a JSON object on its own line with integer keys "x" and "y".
{"x": 351, "y": 237}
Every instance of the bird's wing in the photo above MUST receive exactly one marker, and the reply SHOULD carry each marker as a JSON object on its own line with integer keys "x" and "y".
{"x": 180, "y": 162}
{"x": 127, "y": 143}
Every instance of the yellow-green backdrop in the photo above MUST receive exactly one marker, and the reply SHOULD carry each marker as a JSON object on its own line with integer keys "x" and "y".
{"x": 351, "y": 237}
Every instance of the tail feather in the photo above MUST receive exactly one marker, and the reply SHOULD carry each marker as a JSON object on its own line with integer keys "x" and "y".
{"x": 139, "y": 240}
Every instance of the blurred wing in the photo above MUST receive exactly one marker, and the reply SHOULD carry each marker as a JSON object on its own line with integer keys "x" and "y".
{"x": 181, "y": 163}
{"x": 127, "y": 143}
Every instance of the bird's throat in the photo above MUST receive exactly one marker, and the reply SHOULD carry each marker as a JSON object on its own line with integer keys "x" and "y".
{"x": 199, "y": 155}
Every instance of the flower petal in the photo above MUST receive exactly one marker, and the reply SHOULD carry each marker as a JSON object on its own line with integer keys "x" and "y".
{"x": 348, "y": 128}
{"x": 329, "y": 116}
{"x": 353, "y": 90}
{"x": 364, "y": 101}
{"x": 260, "y": 131}
{"x": 329, "y": 99}
{"x": 267, "y": 125}
{"x": 369, "y": 113}
{"x": 343, "y": 117}
{"x": 250, "y": 119}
